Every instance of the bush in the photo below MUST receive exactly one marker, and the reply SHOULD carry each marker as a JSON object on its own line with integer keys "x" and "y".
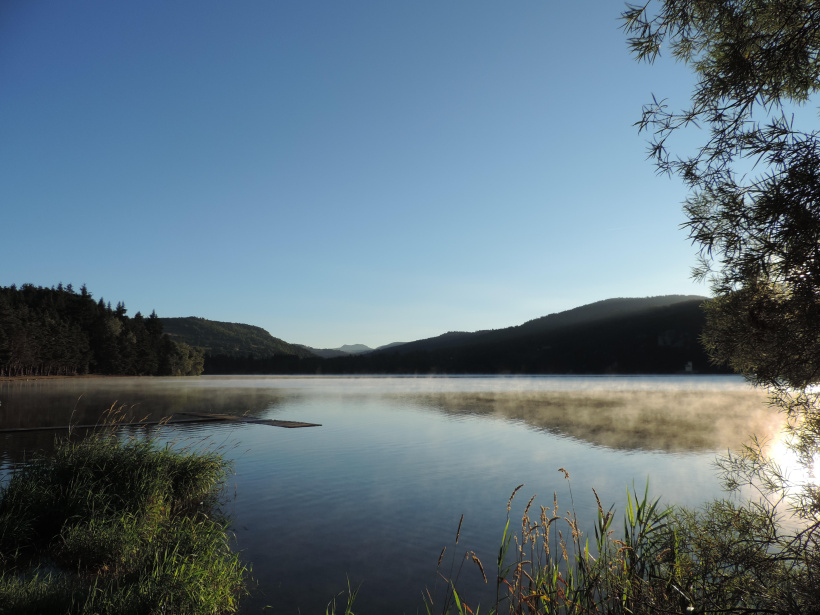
{"x": 106, "y": 526}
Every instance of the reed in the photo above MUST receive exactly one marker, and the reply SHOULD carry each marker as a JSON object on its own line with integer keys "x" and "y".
{"x": 348, "y": 596}
{"x": 107, "y": 525}
{"x": 728, "y": 557}
{"x": 547, "y": 565}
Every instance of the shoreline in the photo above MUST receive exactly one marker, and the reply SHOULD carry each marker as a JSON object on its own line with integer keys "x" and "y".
{"x": 83, "y": 376}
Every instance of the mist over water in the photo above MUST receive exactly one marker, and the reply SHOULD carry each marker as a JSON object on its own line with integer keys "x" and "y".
{"x": 648, "y": 420}
{"x": 376, "y": 491}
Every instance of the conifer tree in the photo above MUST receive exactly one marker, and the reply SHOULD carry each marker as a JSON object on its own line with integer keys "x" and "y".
{"x": 754, "y": 206}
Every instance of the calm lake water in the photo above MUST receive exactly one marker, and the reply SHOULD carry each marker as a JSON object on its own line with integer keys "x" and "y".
{"x": 376, "y": 492}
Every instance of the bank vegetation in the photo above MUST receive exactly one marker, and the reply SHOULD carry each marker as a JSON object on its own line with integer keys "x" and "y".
{"x": 113, "y": 526}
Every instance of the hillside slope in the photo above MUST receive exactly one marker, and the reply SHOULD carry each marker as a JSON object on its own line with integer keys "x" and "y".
{"x": 229, "y": 338}
{"x": 605, "y": 310}
{"x": 619, "y": 336}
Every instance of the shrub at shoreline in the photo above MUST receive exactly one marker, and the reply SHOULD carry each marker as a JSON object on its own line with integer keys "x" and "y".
{"x": 111, "y": 526}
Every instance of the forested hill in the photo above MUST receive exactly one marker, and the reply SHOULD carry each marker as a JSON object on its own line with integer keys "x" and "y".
{"x": 57, "y": 331}
{"x": 608, "y": 310}
{"x": 230, "y": 339}
{"x": 655, "y": 335}
{"x": 659, "y": 335}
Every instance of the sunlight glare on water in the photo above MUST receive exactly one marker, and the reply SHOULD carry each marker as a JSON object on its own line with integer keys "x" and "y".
{"x": 788, "y": 461}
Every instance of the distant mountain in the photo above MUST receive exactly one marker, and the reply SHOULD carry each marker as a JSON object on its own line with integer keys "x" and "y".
{"x": 346, "y": 350}
{"x": 355, "y": 348}
{"x": 229, "y": 338}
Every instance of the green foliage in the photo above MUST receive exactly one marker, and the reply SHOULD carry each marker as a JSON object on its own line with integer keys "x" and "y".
{"x": 754, "y": 207}
{"x": 723, "y": 558}
{"x": 350, "y": 597}
{"x": 180, "y": 359}
{"x": 56, "y": 331}
{"x": 229, "y": 338}
{"x": 757, "y": 552}
{"x": 107, "y": 526}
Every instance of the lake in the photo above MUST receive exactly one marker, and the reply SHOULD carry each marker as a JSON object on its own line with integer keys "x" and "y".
{"x": 375, "y": 492}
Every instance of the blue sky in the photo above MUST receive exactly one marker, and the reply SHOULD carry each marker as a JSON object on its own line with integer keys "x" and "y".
{"x": 335, "y": 172}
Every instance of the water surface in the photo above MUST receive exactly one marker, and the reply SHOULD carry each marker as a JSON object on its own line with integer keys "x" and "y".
{"x": 376, "y": 492}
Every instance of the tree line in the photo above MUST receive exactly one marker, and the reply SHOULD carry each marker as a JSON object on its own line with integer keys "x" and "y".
{"x": 61, "y": 332}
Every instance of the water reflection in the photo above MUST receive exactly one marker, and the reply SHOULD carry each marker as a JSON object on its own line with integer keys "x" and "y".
{"x": 652, "y": 414}
{"x": 799, "y": 472}
{"x": 57, "y": 403}
{"x": 685, "y": 421}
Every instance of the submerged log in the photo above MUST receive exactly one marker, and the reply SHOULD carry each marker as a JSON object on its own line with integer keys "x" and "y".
{"x": 175, "y": 419}
{"x": 204, "y": 416}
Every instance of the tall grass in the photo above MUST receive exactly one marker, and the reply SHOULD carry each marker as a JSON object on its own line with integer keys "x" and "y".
{"x": 111, "y": 526}
{"x": 724, "y": 558}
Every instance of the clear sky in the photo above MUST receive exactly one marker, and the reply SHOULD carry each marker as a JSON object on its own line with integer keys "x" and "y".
{"x": 335, "y": 172}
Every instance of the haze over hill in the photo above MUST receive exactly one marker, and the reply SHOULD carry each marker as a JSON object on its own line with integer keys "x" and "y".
{"x": 347, "y": 349}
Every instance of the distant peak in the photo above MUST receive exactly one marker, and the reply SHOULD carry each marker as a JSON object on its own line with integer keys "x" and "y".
{"x": 354, "y": 348}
